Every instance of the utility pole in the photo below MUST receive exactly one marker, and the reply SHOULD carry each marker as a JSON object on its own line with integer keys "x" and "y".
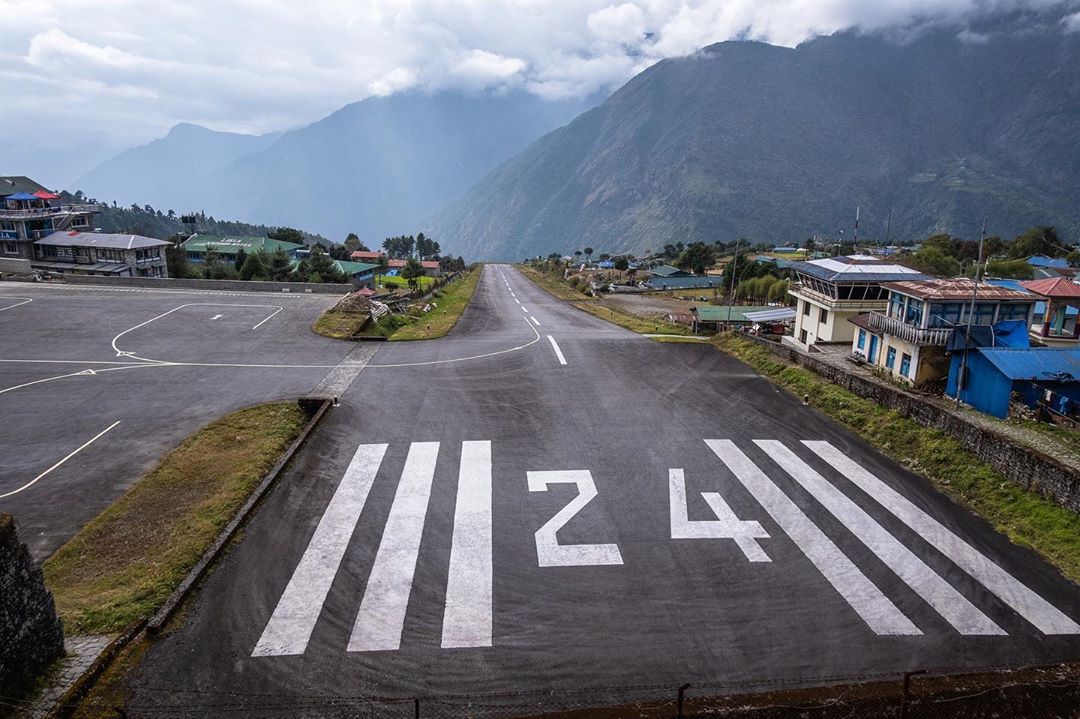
{"x": 734, "y": 269}
{"x": 888, "y": 228}
{"x": 855, "y": 239}
{"x": 971, "y": 316}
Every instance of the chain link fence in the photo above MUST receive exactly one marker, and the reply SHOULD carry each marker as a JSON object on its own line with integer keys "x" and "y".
{"x": 1052, "y": 692}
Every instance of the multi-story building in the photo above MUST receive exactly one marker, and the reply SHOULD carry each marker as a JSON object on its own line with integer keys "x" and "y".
{"x": 831, "y": 291}
{"x": 29, "y": 212}
{"x": 95, "y": 253}
{"x": 908, "y": 338}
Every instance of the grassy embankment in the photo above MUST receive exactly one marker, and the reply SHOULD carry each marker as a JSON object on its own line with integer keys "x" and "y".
{"x": 555, "y": 285}
{"x": 450, "y": 300}
{"x": 1026, "y": 518}
{"x": 128, "y": 560}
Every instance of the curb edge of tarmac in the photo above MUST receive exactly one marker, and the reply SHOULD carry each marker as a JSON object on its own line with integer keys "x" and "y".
{"x": 316, "y": 407}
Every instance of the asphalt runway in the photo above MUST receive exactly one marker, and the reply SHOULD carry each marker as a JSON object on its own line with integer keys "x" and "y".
{"x": 545, "y": 502}
{"x": 96, "y": 384}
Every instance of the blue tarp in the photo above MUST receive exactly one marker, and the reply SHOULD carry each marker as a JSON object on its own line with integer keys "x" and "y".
{"x": 1007, "y": 333}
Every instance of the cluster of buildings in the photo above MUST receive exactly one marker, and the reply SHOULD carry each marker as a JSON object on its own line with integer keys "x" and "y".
{"x": 994, "y": 341}
{"x": 42, "y": 233}
{"x": 394, "y": 266}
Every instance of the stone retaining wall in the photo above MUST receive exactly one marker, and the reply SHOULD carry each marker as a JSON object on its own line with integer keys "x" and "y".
{"x": 1036, "y": 471}
{"x": 31, "y": 635}
{"x": 216, "y": 285}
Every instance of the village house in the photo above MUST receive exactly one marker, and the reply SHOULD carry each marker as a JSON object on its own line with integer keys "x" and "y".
{"x": 908, "y": 338}
{"x": 29, "y": 212}
{"x": 96, "y": 253}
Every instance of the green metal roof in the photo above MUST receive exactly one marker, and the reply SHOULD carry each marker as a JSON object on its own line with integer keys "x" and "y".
{"x": 718, "y": 313}
{"x": 232, "y": 244}
{"x": 669, "y": 271}
{"x": 349, "y": 268}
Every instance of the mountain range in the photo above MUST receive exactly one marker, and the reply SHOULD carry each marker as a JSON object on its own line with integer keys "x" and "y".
{"x": 375, "y": 167}
{"x": 749, "y": 140}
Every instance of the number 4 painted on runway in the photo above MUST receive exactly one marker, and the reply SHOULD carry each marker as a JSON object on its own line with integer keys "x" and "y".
{"x": 725, "y": 526}
{"x": 548, "y": 550}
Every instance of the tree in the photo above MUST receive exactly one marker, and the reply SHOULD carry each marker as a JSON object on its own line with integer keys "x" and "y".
{"x": 931, "y": 260}
{"x": 1011, "y": 269}
{"x": 400, "y": 247}
{"x": 622, "y": 264}
{"x": 254, "y": 267}
{"x": 280, "y": 266}
{"x": 352, "y": 243}
{"x": 1037, "y": 241}
{"x": 241, "y": 255}
{"x": 321, "y": 265}
{"x": 604, "y": 257}
{"x": 588, "y": 253}
{"x": 1073, "y": 258}
{"x": 412, "y": 270}
{"x": 286, "y": 234}
{"x": 427, "y": 248}
{"x": 697, "y": 258}
{"x": 176, "y": 260}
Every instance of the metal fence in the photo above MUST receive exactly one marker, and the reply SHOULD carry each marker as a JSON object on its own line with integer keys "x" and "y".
{"x": 1052, "y": 691}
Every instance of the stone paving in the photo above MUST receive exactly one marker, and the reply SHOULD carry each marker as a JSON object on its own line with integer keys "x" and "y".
{"x": 80, "y": 654}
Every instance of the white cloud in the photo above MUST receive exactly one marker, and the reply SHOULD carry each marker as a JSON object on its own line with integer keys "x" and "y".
{"x": 1072, "y": 23}
{"x": 126, "y": 70}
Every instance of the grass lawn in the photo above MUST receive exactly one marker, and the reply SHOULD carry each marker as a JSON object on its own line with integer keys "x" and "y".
{"x": 552, "y": 285}
{"x": 402, "y": 283}
{"x": 339, "y": 324}
{"x": 1026, "y": 518}
{"x": 127, "y": 560}
{"x": 451, "y": 302}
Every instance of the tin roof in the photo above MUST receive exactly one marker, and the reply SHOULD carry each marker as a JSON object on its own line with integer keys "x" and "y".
{"x": 99, "y": 239}
{"x": 955, "y": 289}
{"x": 1053, "y": 287}
{"x": 856, "y": 268}
{"x": 1038, "y": 363}
{"x": 717, "y": 313}
{"x": 232, "y": 244}
{"x": 1044, "y": 261}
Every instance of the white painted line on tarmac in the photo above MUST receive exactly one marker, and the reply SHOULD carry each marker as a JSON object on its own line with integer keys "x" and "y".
{"x": 34, "y": 481}
{"x": 217, "y": 317}
{"x": 25, "y": 300}
{"x": 77, "y": 374}
{"x": 517, "y": 300}
{"x": 294, "y": 618}
{"x": 964, "y": 616}
{"x": 1003, "y": 585}
{"x": 882, "y": 616}
{"x": 382, "y": 611}
{"x": 268, "y": 318}
{"x": 558, "y": 352}
{"x": 524, "y": 309}
{"x": 467, "y": 618}
{"x": 534, "y": 320}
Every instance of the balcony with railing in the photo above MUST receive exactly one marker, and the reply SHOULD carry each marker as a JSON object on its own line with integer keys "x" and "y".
{"x": 937, "y": 336}
{"x": 38, "y": 213}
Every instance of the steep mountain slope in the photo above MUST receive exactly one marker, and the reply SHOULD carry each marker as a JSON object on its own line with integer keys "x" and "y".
{"x": 749, "y": 140}
{"x": 375, "y": 167}
{"x": 172, "y": 171}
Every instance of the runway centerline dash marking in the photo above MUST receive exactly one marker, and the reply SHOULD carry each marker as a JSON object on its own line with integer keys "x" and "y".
{"x": 534, "y": 320}
{"x": 558, "y": 352}
{"x": 382, "y": 610}
{"x": 293, "y": 620}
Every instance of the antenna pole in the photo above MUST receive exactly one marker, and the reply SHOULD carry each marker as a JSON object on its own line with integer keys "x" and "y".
{"x": 971, "y": 315}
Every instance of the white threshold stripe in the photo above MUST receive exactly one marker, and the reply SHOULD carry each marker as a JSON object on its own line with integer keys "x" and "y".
{"x": 382, "y": 611}
{"x": 558, "y": 352}
{"x": 467, "y": 618}
{"x": 1003, "y": 585}
{"x": 86, "y": 444}
{"x": 964, "y": 616}
{"x": 535, "y": 321}
{"x": 293, "y": 620}
{"x": 879, "y": 613}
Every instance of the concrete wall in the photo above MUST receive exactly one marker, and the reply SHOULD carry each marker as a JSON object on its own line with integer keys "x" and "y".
{"x": 1037, "y": 472}
{"x": 214, "y": 285}
{"x": 31, "y": 635}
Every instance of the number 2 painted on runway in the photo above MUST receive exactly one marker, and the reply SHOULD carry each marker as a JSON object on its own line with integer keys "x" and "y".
{"x": 548, "y": 550}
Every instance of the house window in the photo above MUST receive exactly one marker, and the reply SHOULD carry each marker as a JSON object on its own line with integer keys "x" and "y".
{"x": 896, "y": 306}
{"x": 802, "y": 336}
{"x": 7, "y": 226}
{"x": 824, "y": 316}
{"x": 946, "y": 315}
{"x": 11, "y": 248}
{"x": 914, "y": 313}
{"x": 984, "y": 313}
{"x": 905, "y": 365}
{"x": 1013, "y": 312}
{"x": 890, "y": 358}
{"x": 806, "y": 308}
{"x": 862, "y": 339}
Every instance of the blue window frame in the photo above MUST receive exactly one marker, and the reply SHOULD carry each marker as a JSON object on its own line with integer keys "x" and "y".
{"x": 984, "y": 313}
{"x": 914, "y": 313}
{"x": 890, "y": 358}
{"x": 896, "y": 306}
{"x": 862, "y": 339}
{"x": 905, "y": 365}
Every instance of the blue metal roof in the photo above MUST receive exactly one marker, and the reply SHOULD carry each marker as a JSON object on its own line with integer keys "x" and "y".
{"x": 1042, "y": 363}
{"x": 1044, "y": 261}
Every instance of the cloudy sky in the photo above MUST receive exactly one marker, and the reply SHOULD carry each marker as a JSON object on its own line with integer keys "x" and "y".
{"x": 82, "y": 78}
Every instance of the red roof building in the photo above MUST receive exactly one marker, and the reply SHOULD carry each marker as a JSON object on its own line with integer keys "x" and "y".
{"x": 1060, "y": 293}
{"x": 366, "y": 256}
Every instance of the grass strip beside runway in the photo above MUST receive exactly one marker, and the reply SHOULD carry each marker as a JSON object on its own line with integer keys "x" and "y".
{"x": 339, "y": 324}
{"x": 1026, "y": 518}
{"x": 126, "y": 561}
{"x": 450, "y": 303}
